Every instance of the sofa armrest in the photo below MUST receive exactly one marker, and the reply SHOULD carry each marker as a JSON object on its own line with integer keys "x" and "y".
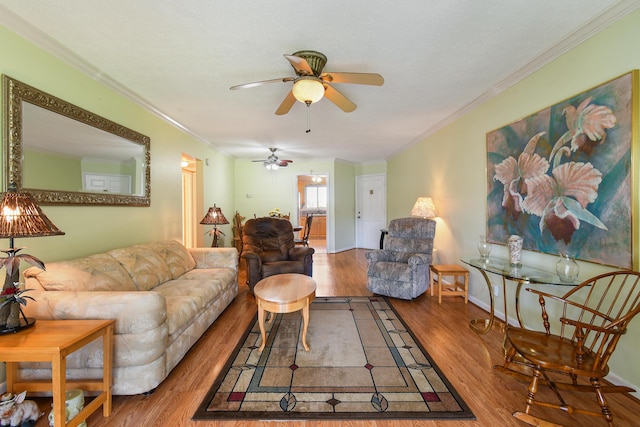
{"x": 377, "y": 255}
{"x": 252, "y": 257}
{"x": 135, "y": 312}
{"x": 215, "y": 257}
{"x": 299, "y": 253}
{"x": 253, "y": 264}
{"x": 416, "y": 259}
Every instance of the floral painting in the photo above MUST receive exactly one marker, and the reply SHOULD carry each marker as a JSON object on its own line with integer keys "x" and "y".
{"x": 561, "y": 178}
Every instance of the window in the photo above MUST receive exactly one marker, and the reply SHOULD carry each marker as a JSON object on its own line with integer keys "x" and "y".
{"x": 316, "y": 197}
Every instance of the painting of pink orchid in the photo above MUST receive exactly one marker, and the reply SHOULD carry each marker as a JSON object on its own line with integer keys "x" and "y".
{"x": 561, "y": 178}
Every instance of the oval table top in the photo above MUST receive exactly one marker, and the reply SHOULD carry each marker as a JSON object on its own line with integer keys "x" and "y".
{"x": 285, "y": 288}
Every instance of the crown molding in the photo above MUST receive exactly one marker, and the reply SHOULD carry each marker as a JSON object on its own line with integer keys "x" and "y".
{"x": 591, "y": 28}
{"x": 29, "y": 32}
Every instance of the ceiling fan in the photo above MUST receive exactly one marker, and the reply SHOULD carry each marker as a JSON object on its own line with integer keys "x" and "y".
{"x": 311, "y": 84}
{"x": 273, "y": 162}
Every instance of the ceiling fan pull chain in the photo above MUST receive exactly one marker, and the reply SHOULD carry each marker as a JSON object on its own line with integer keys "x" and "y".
{"x": 308, "y": 116}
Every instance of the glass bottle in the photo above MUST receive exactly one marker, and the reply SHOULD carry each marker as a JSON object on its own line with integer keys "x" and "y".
{"x": 567, "y": 268}
{"x": 484, "y": 247}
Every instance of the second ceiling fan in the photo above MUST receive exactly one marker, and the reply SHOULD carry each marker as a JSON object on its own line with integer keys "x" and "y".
{"x": 273, "y": 162}
{"x": 312, "y": 84}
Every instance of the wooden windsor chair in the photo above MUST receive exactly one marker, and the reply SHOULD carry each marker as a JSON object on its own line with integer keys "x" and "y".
{"x": 581, "y": 331}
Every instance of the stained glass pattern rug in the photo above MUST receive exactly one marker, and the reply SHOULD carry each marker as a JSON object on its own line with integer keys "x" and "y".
{"x": 363, "y": 363}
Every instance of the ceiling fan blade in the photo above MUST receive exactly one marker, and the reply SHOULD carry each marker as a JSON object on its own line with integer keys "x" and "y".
{"x": 262, "y": 82}
{"x": 339, "y": 99}
{"x": 286, "y": 105}
{"x": 301, "y": 65}
{"x": 353, "y": 78}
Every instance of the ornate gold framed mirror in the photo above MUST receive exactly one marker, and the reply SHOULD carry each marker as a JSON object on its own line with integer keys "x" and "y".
{"x": 65, "y": 155}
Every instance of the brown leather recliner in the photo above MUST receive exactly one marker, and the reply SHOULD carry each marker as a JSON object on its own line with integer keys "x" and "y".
{"x": 268, "y": 249}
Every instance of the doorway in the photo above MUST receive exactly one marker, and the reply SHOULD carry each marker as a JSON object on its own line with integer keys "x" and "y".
{"x": 189, "y": 201}
{"x": 371, "y": 210}
{"x": 313, "y": 196}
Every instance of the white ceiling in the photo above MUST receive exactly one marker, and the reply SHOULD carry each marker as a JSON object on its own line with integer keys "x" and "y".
{"x": 438, "y": 58}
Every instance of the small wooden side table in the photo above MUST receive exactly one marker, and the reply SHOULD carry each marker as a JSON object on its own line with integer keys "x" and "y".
{"x": 284, "y": 293}
{"x": 460, "y": 285}
{"x": 52, "y": 341}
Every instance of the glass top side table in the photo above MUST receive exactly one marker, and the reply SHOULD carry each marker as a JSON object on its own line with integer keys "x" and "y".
{"x": 521, "y": 274}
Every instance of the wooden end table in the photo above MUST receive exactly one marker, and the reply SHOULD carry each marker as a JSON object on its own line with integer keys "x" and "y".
{"x": 460, "y": 285}
{"x": 284, "y": 293}
{"x": 51, "y": 341}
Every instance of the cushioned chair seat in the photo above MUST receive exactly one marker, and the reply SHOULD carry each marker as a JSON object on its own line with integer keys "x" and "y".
{"x": 282, "y": 267}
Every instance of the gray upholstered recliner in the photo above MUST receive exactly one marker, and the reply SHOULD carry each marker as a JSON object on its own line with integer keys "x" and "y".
{"x": 401, "y": 269}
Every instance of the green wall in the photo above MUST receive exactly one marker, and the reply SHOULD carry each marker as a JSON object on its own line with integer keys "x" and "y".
{"x": 67, "y": 176}
{"x": 93, "y": 229}
{"x": 450, "y": 166}
{"x": 371, "y": 168}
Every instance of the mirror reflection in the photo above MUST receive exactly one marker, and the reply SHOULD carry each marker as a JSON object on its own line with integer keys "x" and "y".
{"x": 63, "y": 154}
{"x": 86, "y": 158}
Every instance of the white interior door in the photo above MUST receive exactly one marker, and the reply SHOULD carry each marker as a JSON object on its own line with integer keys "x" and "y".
{"x": 371, "y": 209}
{"x": 106, "y": 182}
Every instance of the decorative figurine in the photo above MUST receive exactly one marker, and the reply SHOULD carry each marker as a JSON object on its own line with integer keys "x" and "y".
{"x": 17, "y": 412}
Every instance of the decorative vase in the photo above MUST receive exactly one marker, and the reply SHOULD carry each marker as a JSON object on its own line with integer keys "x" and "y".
{"x": 484, "y": 248}
{"x": 74, "y": 402}
{"x": 567, "y": 268}
{"x": 10, "y": 315}
{"x": 13, "y": 321}
{"x": 515, "y": 250}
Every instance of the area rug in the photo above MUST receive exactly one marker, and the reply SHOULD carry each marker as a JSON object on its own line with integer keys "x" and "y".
{"x": 363, "y": 363}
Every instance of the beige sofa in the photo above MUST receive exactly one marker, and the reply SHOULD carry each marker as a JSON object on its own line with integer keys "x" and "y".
{"x": 162, "y": 296}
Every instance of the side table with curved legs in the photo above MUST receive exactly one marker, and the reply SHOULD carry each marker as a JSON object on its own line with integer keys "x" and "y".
{"x": 521, "y": 274}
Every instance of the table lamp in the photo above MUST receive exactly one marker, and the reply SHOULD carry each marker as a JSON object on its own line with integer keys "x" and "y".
{"x": 214, "y": 217}
{"x": 424, "y": 208}
{"x": 20, "y": 216}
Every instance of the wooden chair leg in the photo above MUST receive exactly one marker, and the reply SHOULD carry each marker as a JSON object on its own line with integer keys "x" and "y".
{"x": 606, "y": 412}
{"x": 508, "y": 357}
{"x": 532, "y": 390}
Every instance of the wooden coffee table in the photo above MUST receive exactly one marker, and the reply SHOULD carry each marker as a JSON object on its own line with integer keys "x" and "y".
{"x": 285, "y": 293}
{"x": 52, "y": 341}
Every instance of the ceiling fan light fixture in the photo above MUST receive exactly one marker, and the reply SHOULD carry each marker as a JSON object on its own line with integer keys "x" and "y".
{"x": 272, "y": 166}
{"x": 308, "y": 89}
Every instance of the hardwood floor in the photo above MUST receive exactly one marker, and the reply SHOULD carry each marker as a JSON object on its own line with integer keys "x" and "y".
{"x": 463, "y": 356}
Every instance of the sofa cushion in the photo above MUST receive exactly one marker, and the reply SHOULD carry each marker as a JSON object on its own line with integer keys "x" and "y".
{"x": 93, "y": 273}
{"x": 226, "y": 275}
{"x": 185, "y": 298}
{"x": 146, "y": 267}
{"x": 282, "y": 267}
{"x": 390, "y": 271}
{"x": 177, "y": 257}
